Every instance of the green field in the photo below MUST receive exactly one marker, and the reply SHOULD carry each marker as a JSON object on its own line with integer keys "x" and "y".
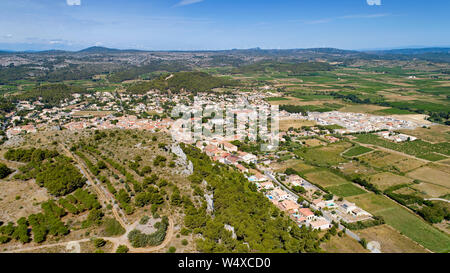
{"x": 393, "y": 111}
{"x": 276, "y": 99}
{"x": 325, "y": 178}
{"x": 433, "y": 157}
{"x": 417, "y": 229}
{"x": 345, "y": 190}
{"x": 404, "y": 221}
{"x": 324, "y": 156}
{"x": 358, "y": 150}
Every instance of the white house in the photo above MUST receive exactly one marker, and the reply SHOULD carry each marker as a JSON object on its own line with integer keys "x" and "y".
{"x": 229, "y": 147}
{"x": 266, "y": 185}
{"x": 248, "y": 158}
{"x": 307, "y": 213}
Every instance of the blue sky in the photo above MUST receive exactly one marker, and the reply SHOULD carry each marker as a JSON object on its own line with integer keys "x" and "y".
{"x": 223, "y": 24}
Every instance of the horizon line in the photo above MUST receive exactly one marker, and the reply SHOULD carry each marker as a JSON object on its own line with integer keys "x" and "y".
{"x": 217, "y": 50}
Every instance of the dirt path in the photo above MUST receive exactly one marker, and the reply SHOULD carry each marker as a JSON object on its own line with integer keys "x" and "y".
{"x": 99, "y": 191}
{"x": 116, "y": 241}
{"x": 28, "y": 249}
{"x": 123, "y": 240}
{"x": 104, "y": 197}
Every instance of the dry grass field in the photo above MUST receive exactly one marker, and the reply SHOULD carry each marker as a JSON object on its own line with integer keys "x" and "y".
{"x": 314, "y": 142}
{"x": 435, "y": 133}
{"x": 427, "y": 190}
{"x": 20, "y": 199}
{"x": 343, "y": 244}
{"x": 385, "y": 180}
{"x": 295, "y": 123}
{"x": 354, "y": 167}
{"x": 385, "y": 160}
{"x": 421, "y": 119}
{"x": 362, "y": 108}
{"x": 431, "y": 175}
{"x": 447, "y": 161}
{"x": 391, "y": 240}
{"x": 296, "y": 164}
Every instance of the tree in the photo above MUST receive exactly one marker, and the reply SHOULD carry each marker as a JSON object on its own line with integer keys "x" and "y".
{"x": 4, "y": 171}
{"x": 328, "y": 196}
{"x": 95, "y": 216}
{"x": 363, "y": 242}
{"x": 99, "y": 242}
{"x": 176, "y": 198}
{"x": 290, "y": 171}
{"x": 122, "y": 249}
{"x": 299, "y": 189}
{"x": 60, "y": 177}
{"x": 101, "y": 165}
{"x": 172, "y": 249}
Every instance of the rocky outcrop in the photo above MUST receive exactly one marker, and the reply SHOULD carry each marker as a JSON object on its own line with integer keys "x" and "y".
{"x": 186, "y": 166}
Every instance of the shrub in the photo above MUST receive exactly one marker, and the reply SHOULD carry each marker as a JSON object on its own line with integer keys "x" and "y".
{"x": 139, "y": 239}
{"x": 99, "y": 242}
{"x": 172, "y": 249}
{"x": 122, "y": 249}
{"x": 4, "y": 171}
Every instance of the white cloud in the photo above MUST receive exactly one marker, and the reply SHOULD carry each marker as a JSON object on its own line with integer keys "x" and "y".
{"x": 374, "y": 2}
{"x": 73, "y": 2}
{"x": 188, "y": 2}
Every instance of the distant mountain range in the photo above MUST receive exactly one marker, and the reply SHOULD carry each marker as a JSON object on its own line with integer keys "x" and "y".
{"x": 431, "y": 54}
{"x": 102, "y": 50}
{"x": 413, "y": 50}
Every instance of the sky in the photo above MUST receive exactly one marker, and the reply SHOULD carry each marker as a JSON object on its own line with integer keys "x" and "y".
{"x": 223, "y": 24}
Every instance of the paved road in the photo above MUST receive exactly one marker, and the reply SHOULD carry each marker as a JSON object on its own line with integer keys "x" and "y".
{"x": 325, "y": 214}
{"x": 438, "y": 199}
{"x": 279, "y": 184}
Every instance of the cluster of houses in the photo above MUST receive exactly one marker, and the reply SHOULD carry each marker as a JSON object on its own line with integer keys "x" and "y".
{"x": 124, "y": 122}
{"x": 358, "y": 122}
{"x": 315, "y": 213}
{"x": 303, "y": 213}
{"x": 227, "y": 153}
{"x": 353, "y": 122}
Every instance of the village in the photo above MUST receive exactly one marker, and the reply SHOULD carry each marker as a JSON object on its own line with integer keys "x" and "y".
{"x": 304, "y": 202}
